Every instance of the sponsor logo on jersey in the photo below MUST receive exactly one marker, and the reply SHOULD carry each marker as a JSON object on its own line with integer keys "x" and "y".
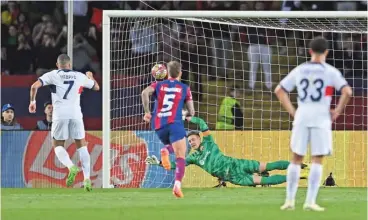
{"x": 41, "y": 168}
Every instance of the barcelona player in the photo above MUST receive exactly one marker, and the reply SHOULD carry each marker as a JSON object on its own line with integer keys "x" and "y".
{"x": 171, "y": 95}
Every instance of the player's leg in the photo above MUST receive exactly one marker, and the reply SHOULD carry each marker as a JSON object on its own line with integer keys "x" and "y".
{"x": 169, "y": 148}
{"x": 266, "y": 57}
{"x": 299, "y": 142}
{"x": 250, "y": 167}
{"x": 321, "y": 145}
{"x": 282, "y": 165}
{"x": 275, "y": 165}
{"x": 77, "y": 132}
{"x": 60, "y": 132}
{"x": 163, "y": 135}
{"x": 269, "y": 180}
{"x": 178, "y": 141}
{"x": 253, "y": 57}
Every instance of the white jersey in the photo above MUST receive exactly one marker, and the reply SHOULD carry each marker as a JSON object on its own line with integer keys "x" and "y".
{"x": 66, "y": 87}
{"x": 315, "y": 83}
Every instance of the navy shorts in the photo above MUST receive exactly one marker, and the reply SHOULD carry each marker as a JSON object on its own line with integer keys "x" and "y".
{"x": 171, "y": 133}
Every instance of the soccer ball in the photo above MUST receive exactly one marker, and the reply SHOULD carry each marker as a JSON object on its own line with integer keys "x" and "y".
{"x": 159, "y": 71}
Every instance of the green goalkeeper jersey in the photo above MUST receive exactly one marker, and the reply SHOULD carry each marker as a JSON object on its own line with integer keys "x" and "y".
{"x": 208, "y": 156}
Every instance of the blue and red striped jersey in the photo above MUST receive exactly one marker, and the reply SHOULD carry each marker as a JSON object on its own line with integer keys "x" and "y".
{"x": 170, "y": 96}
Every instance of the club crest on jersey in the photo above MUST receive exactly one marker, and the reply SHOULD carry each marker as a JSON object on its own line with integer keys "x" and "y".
{"x": 41, "y": 168}
{"x": 201, "y": 162}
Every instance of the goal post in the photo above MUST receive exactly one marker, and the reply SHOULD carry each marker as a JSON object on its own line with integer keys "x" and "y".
{"x": 133, "y": 41}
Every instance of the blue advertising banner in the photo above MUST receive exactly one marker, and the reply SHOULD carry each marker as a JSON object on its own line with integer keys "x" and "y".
{"x": 28, "y": 160}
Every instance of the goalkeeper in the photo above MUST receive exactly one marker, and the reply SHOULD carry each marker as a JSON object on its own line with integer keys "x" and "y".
{"x": 208, "y": 156}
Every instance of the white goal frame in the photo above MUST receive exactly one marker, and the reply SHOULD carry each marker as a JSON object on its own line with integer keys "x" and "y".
{"x": 107, "y": 14}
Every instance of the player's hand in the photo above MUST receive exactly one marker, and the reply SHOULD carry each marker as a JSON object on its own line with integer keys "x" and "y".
{"x": 334, "y": 114}
{"x": 147, "y": 117}
{"x": 32, "y": 108}
{"x": 189, "y": 118}
{"x": 184, "y": 114}
{"x": 152, "y": 160}
{"x": 89, "y": 74}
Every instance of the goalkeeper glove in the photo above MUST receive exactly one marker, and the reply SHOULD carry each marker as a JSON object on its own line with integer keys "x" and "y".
{"x": 152, "y": 160}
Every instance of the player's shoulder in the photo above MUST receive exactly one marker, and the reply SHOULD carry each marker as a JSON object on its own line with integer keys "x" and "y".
{"x": 308, "y": 65}
{"x": 52, "y": 72}
{"x": 331, "y": 69}
{"x": 183, "y": 85}
{"x": 77, "y": 73}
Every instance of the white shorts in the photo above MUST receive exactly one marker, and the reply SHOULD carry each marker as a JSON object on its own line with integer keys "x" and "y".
{"x": 64, "y": 129}
{"x": 320, "y": 140}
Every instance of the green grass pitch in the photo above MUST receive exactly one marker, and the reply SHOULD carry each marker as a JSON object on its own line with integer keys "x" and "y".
{"x": 159, "y": 204}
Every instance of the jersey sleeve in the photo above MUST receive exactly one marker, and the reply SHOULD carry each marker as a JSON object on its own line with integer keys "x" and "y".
{"x": 203, "y": 127}
{"x": 338, "y": 80}
{"x": 289, "y": 82}
{"x": 188, "y": 95}
{"x": 154, "y": 86}
{"x": 47, "y": 79}
{"x": 87, "y": 82}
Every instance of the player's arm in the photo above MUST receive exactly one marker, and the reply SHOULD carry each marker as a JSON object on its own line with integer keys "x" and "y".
{"x": 189, "y": 103}
{"x": 91, "y": 83}
{"x": 287, "y": 85}
{"x": 202, "y": 126}
{"x": 201, "y": 123}
{"x": 346, "y": 93}
{"x": 44, "y": 80}
{"x": 283, "y": 97}
{"x": 33, "y": 93}
{"x": 146, "y": 94}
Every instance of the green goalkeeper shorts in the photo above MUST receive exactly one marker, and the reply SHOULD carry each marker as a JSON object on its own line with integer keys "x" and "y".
{"x": 242, "y": 171}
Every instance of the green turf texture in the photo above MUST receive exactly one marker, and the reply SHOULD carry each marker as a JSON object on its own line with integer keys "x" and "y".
{"x": 156, "y": 204}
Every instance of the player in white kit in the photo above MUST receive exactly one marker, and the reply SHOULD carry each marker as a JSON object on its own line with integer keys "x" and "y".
{"x": 67, "y": 120}
{"x": 315, "y": 82}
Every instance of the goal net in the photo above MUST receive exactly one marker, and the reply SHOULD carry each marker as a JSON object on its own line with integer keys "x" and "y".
{"x": 239, "y": 52}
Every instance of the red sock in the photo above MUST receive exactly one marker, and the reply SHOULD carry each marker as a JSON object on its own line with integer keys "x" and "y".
{"x": 180, "y": 169}
{"x": 170, "y": 149}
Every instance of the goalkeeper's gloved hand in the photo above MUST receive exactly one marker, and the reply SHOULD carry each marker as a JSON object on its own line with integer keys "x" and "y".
{"x": 152, "y": 160}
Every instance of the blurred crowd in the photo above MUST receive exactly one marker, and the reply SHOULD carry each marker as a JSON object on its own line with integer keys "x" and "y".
{"x": 34, "y": 33}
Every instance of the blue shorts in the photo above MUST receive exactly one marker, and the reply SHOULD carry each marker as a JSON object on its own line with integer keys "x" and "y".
{"x": 171, "y": 133}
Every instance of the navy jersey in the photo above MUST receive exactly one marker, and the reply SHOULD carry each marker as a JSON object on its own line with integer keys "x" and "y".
{"x": 170, "y": 98}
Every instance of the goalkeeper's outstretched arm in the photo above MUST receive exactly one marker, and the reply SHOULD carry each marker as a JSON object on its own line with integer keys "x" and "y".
{"x": 201, "y": 123}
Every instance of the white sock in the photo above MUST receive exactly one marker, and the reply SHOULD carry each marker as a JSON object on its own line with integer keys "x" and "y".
{"x": 63, "y": 156}
{"x": 292, "y": 178}
{"x": 177, "y": 183}
{"x": 86, "y": 161}
{"x": 314, "y": 180}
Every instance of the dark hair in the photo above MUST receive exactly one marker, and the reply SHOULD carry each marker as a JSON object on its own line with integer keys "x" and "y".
{"x": 193, "y": 133}
{"x": 47, "y": 103}
{"x": 174, "y": 69}
{"x": 318, "y": 45}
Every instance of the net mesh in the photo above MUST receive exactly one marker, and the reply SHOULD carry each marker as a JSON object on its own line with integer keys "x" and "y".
{"x": 249, "y": 55}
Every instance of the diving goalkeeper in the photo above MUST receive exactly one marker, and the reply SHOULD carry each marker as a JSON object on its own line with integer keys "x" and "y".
{"x": 208, "y": 156}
